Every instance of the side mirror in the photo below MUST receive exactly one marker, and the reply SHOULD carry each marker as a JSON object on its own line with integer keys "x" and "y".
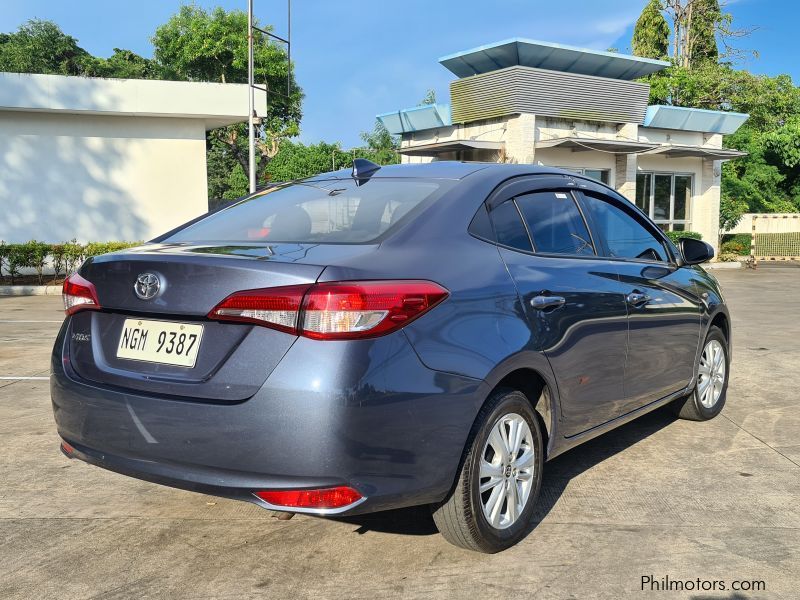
{"x": 694, "y": 251}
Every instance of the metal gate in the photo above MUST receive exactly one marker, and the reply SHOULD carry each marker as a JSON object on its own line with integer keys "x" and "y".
{"x": 775, "y": 238}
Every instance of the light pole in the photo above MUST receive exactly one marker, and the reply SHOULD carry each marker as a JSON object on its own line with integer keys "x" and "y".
{"x": 251, "y": 91}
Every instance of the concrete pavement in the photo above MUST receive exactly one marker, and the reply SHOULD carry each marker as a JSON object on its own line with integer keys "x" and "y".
{"x": 659, "y": 497}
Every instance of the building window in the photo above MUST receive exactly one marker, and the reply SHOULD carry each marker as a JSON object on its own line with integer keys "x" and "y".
{"x": 601, "y": 175}
{"x": 665, "y": 198}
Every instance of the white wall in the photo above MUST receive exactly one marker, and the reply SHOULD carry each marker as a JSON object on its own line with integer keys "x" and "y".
{"x": 776, "y": 223}
{"x": 98, "y": 178}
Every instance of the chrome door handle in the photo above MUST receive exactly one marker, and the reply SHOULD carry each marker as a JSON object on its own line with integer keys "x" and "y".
{"x": 543, "y": 302}
{"x": 637, "y": 298}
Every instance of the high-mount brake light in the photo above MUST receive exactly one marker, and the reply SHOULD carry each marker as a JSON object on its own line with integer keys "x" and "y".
{"x": 79, "y": 294}
{"x": 343, "y": 310}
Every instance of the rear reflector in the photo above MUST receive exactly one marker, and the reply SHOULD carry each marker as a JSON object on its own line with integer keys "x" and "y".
{"x": 334, "y": 311}
{"x": 336, "y": 497}
{"x": 79, "y": 294}
{"x": 67, "y": 449}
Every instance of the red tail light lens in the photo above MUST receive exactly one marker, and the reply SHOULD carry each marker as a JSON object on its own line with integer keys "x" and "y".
{"x": 352, "y": 310}
{"x": 336, "y": 497}
{"x": 277, "y": 307}
{"x": 79, "y": 294}
{"x": 334, "y": 311}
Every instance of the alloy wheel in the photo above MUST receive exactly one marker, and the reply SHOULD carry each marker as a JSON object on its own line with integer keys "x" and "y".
{"x": 711, "y": 374}
{"x": 507, "y": 466}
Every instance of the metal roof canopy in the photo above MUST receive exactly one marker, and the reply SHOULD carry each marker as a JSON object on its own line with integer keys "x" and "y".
{"x": 678, "y": 151}
{"x": 693, "y": 119}
{"x": 547, "y": 55}
{"x": 451, "y": 146}
{"x": 577, "y": 144}
{"x": 428, "y": 116}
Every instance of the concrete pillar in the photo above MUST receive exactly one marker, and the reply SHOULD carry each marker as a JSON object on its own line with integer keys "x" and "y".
{"x": 625, "y": 168}
{"x": 520, "y": 138}
{"x": 705, "y": 204}
{"x": 625, "y": 176}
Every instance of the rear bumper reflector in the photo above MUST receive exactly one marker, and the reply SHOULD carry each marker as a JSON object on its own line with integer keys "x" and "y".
{"x": 321, "y": 501}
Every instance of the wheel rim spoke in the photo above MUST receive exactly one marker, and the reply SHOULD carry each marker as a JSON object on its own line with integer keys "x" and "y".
{"x": 506, "y": 473}
{"x": 711, "y": 374}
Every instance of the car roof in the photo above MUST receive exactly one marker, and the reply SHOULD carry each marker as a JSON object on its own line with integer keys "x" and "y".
{"x": 444, "y": 169}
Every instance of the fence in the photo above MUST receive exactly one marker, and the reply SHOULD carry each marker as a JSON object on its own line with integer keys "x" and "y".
{"x": 775, "y": 238}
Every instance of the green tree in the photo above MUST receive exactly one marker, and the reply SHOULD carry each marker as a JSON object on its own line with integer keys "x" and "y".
{"x": 41, "y": 47}
{"x": 198, "y": 45}
{"x": 381, "y": 146}
{"x": 430, "y": 98}
{"x": 651, "y": 32}
{"x": 125, "y": 64}
{"x": 704, "y": 20}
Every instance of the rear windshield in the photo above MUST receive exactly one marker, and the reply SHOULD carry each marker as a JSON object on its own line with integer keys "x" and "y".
{"x": 330, "y": 211}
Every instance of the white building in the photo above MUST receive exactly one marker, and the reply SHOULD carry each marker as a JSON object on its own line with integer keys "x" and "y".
{"x": 105, "y": 159}
{"x": 526, "y": 101}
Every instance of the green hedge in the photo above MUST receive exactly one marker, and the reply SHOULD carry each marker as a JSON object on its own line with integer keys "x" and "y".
{"x": 676, "y": 235}
{"x": 737, "y": 243}
{"x": 63, "y": 258}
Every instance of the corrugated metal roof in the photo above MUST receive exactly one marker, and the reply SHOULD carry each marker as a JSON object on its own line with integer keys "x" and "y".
{"x": 693, "y": 119}
{"x": 546, "y": 55}
{"x": 428, "y": 116}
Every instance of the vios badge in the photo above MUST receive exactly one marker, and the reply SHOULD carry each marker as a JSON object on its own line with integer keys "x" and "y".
{"x": 147, "y": 286}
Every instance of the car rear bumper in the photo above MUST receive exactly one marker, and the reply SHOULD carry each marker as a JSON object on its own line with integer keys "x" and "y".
{"x": 365, "y": 414}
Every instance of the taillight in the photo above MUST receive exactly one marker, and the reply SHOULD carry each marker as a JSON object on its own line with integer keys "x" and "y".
{"x": 334, "y": 311}
{"x": 336, "y": 497}
{"x": 79, "y": 294}
{"x": 277, "y": 307}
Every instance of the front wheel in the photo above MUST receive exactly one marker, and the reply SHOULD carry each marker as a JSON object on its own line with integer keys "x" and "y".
{"x": 711, "y": 382}
{"x": 490, "y": 508}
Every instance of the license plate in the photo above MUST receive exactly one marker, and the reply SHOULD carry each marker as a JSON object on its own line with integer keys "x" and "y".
{"x": 162, "y": 342}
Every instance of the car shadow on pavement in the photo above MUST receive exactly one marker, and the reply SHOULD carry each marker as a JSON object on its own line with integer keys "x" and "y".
{"x": 557, "y": 475}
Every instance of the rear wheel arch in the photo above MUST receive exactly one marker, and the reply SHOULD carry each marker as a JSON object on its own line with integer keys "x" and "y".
{"x": 536, "y": 389}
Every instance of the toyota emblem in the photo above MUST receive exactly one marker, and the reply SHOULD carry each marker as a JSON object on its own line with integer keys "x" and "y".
{"x": 147, "y": 286}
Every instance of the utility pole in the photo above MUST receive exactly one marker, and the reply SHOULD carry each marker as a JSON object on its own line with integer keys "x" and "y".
{"x": 251, "y": 139}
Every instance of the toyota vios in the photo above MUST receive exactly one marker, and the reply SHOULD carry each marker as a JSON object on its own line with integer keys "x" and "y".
{"x": 405, "y": 335}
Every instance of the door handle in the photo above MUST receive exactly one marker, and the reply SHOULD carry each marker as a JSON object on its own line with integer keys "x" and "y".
{"x": 544, "y": 302}
{"x": 637, "y": 298}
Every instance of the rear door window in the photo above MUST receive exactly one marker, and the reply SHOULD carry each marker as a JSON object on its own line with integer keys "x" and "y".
{"x": 327, "y": 211}
{"x": 508, "y": 227}
{"x": 555, "y": 223}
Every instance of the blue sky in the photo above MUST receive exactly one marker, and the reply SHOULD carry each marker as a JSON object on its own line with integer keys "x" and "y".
{"x": 355, "y": 59}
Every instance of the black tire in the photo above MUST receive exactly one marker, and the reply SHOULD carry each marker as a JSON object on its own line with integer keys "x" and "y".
{"x": 460, "y": 518}
{"x": 691, "y": 408}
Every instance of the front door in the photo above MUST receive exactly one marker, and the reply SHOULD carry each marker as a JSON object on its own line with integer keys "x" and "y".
{"x": 663, "y": 305}
{"x": 573, "y": 301}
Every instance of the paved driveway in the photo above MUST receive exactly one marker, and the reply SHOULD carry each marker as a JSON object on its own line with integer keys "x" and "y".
{"x": 659, "y": 497}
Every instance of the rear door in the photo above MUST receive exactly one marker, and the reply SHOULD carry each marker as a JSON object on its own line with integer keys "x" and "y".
{"x": 663, "y": 304}
{"x": 571, "y": 297}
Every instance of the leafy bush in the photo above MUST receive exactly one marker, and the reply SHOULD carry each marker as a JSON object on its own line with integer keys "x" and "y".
{"x": 73, "y": 256}
{"x": 676, "y": 235}
{"x": 727, "y": 257}
{"x": 738, "y": 243}
{"x": 63, "y": 258}
{"x": 37, "y": 253}
{"x": 3, "y": 255}
{"x": 98, "y": 248}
